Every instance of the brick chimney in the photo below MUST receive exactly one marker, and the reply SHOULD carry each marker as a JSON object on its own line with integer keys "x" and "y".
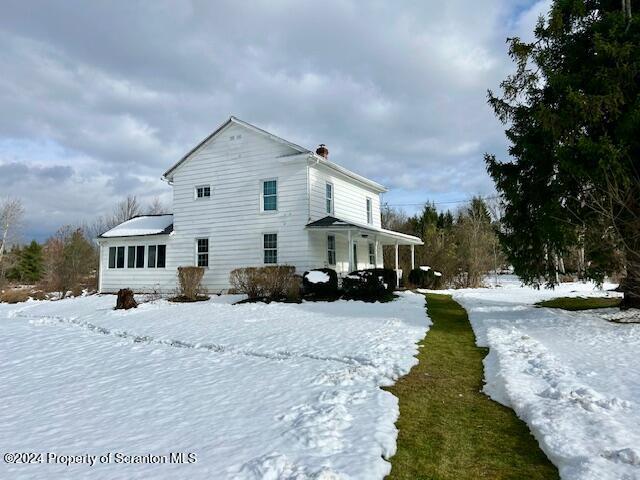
{"x": 323, "y": 151}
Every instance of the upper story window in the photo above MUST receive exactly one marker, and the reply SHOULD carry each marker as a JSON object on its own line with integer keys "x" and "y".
{"x": 329, "y": 198}
{"x": 203, "y": 252}
{"x": 269, "y": 195}
{"x": 203, "y": 191}
{"x": 369, "y": 211}
{"x": 270, "y": 243}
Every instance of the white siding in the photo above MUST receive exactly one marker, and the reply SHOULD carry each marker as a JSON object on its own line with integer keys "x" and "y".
{"x": 319, "y": 256}
{"x": 138, "y": 279}
{"x": 231, "y": 218}
{"x": 349, "y": 197}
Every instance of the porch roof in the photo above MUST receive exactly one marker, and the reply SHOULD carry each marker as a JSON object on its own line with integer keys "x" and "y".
{"x": 386, "y": 237}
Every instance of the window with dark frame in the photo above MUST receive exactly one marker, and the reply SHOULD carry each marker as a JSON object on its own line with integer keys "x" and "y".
{"x": 203, "y": 252}
{"x": 120, "y": 257}
{"x": 372, "y": 253}
{"x": 140, "y": 256}
{"x": 203, "y": 191}
{"x": 112, "y": 257}
{"x": 162, "y": 256}
{"x": 131, "y": 257}
{"x": 331, "y": 249}
{"x": 270, "y": 242}
{"x": 151, "y": 260}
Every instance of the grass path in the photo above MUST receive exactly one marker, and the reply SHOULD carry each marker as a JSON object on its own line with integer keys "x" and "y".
{"x": 448, "y": 428}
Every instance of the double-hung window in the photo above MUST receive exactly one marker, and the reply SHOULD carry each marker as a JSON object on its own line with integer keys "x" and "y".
{"x": 269, "y": 195}
{"x": 203, "y": 252}
{"x": 372, "y": 254}
{"x": 203, "y": 191}
{"x": 369, "y": 211}
{"x": 270, "y": 245}
{"x": 329, "y": 198}
{"x": 331, "y": 249}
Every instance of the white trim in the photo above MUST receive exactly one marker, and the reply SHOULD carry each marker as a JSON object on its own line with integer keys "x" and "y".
{"x": 262, "y": 182}
{"x": 198, "y": 253}
{"x": 335, "y": 250}
{"x": 263, "y": 248}
{"x": 333, "y": 196}
{"x": 204, "y": 197}
{"x": 369, "y": 209}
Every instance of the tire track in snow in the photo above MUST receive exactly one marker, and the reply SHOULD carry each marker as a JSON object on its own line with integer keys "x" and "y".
{"x": 209, "y": 347}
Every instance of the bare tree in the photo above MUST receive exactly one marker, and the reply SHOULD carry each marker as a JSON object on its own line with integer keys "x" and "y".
{"x": 127, "y": 209}
{"x": 156, "y": 207}
{"x": 11, "y": 213}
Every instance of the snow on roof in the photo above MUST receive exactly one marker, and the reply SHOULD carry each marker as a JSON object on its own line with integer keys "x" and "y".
{"x": 142, "y": 225}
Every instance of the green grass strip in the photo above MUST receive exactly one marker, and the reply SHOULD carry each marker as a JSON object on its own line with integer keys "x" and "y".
{"x": 580, "y": 303}
{"x": 448, "y": 429}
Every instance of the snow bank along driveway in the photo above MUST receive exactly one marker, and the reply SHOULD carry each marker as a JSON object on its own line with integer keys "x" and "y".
{"x": 572, "y": 376}
{"x": 254, "y": 390}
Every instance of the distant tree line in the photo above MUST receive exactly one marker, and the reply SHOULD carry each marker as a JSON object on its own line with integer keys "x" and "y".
{"x": 463, "y": 245}
{"x": 68, "y": 260}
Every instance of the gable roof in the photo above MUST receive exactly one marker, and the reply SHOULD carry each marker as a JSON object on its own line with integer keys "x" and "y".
{"x": 311, "y": 155}
{"x": 142, "y": 225}
{"x": 230, "y": 121}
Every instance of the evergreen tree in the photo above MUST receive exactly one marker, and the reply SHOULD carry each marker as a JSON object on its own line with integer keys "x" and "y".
{"x": 31, "y": 263}
{"x": 573, "y": 113}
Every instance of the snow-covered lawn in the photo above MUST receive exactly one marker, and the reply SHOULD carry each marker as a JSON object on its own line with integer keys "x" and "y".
{"x": 254, "y": 390}
{"x": 572, "y": 376}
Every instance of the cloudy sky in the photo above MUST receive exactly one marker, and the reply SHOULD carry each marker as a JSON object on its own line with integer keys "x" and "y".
{"x": 98, "y": 98}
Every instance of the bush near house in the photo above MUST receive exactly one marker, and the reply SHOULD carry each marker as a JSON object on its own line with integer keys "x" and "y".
{"x": 267, "y": 283}
{"x": 189, "y": 279}
{"x": 424, "y": 279}
{"x": 372, "y": 284}
{"x": 320, "y": 283}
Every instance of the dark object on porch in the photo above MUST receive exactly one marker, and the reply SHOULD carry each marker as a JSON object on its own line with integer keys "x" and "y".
{"x": 372, "y": 284}
{"x": 125, "y": 299}
{"x": 424, "y": 279}
{"x": 319, "y": 289}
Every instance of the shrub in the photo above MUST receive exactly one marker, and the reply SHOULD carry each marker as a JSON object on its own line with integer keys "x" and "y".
{"x": 320, "y": 282}
{"x": 424, "y": 278}
{"x": 371, "y": 284}
{"x": 294, "y": 288}
{"x": 189, "y": 279}
{"x": 273, "y": 283}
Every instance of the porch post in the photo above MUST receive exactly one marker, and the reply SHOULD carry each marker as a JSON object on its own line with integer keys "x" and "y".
{"x": 413, "y": 257}
{"x": 350, "y": 249}
{"x": 397, "y": 276}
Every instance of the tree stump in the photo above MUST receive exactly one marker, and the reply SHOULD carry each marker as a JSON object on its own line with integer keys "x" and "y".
{"x": 125, "y": 299}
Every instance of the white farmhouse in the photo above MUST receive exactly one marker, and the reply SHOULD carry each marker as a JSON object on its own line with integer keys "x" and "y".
{"x": 245, "y": 197}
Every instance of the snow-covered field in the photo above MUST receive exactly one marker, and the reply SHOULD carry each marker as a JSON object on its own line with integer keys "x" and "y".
{"x": 572, "y": 376}
{"x": 253, "y": 390}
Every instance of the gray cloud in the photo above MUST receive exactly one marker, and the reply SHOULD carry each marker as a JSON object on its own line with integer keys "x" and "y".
{"x": 102, "y": 97}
